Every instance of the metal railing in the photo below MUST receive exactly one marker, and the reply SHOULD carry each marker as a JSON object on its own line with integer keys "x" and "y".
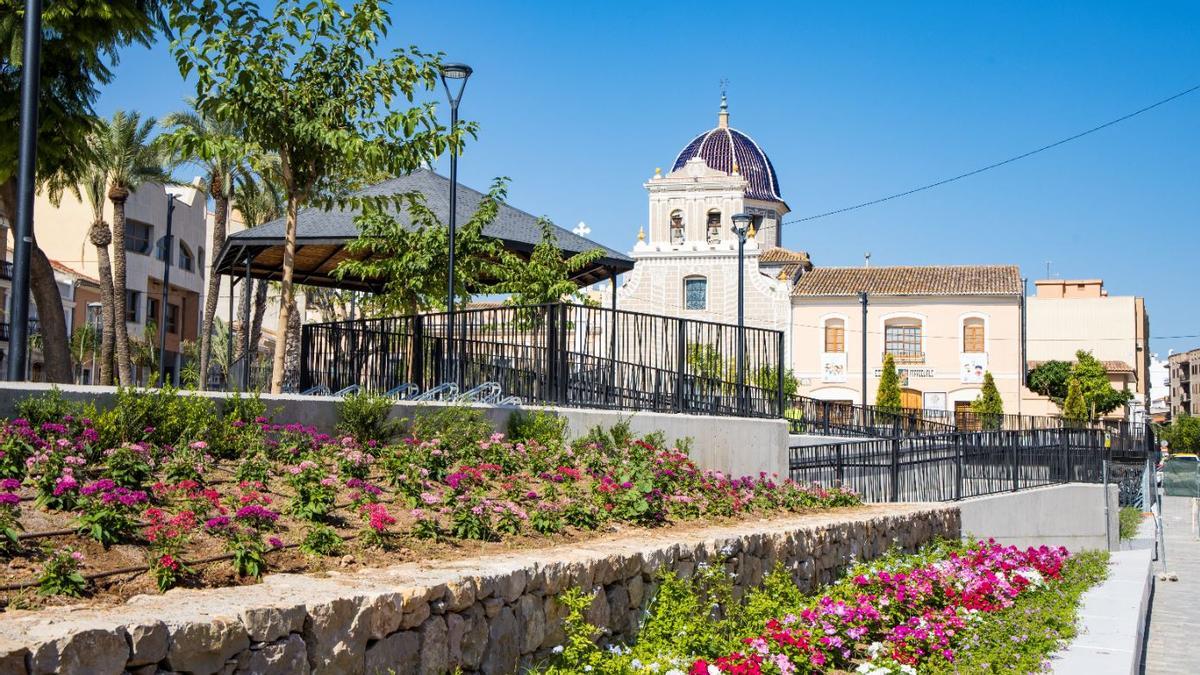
{"x": 956, "y": 465}
{"x": 835, "y": 418}
{"x": 561, "y": 354}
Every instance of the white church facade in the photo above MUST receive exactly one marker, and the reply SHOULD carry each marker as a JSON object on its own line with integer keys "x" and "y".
{"x": 687, "y": 259}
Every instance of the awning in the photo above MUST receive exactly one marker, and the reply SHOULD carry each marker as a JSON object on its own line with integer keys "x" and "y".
{"x": 322, "y": 236}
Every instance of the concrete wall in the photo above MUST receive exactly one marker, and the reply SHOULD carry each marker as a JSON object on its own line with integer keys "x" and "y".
{"x": 738, "y": 446}
{"x": 494, "y": 614}
{"x": 1070, "y": 515}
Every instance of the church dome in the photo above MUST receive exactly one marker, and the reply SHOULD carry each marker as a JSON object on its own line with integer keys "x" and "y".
{"x": 726, "y": 149}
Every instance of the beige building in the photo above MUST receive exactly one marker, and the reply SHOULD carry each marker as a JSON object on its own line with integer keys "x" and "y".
{"x": 945, "y": 326}
{"x": 1185, "y": 383}
{"x": 1066, "y": 315}
{"x": 62, "y": 232}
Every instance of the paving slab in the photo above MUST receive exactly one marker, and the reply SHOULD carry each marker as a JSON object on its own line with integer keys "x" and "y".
{"x": 1173, "y": 636}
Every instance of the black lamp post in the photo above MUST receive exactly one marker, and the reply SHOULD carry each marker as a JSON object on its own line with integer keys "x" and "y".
{"x": 458, "y": 72}
{"x": 26, "y": 182}
{"x": 741, "y": 226}
{"x": 162, "y": 318}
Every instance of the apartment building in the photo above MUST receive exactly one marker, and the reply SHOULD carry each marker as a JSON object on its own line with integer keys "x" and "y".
{"x": 1185, "y": 383}
{"x": 1068, "y": 315}
{"x": 62, "y": 231}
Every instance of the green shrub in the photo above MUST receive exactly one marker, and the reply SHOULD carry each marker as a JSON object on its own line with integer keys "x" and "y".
{"x": 160, "y": 416}
{"x": 364, "y": 416}
{"x": 544, "y": 427}
{"x": 1130, "y": 519}
{"x": 321, "y": 540}
{"x": 49, "y": 407}
{"x": 243, "y": 408}
{"x": 459, "y": 427}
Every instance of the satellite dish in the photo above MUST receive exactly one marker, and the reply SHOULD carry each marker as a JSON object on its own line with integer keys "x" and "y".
{"x": 582, "y": 229}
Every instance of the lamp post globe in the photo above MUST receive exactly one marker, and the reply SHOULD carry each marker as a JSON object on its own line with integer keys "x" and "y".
{"x": 454, "y": 79}
{"x": 741, "y": 226}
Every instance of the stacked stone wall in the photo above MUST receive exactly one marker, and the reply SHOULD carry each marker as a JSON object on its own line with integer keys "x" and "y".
{"x": 492, "y": 614}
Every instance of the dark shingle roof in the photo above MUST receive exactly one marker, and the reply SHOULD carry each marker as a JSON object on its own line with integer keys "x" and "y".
{"x": 325, "y": 232}
{"x": 932, "y": 280}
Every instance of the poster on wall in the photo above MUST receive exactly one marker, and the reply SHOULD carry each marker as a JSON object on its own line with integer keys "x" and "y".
{"x": 935, "y": 400}
{"x": 972, "y": 367}
{"x": 833, "y": 367}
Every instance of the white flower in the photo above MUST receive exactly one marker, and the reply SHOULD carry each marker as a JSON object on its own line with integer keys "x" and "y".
{"x": 713, "y": 670}
{"x": 635, "y": 664}
{"x": 587, "y": 669}
{"x": 558, "y": 649}
{"x": 675, "y": 671}
{"x": 908, "y": 670}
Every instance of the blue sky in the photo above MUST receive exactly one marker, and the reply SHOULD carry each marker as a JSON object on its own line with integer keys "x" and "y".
{"x": 579, "y": 102}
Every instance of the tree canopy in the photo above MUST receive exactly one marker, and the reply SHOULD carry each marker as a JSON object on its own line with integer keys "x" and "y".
{"x": 1183, "y": 434}
{"x": 546, "y": 276}
{"x": 1052, "y": 379}
{"x": 990, "y": 405}
{"x": 309, "y": 81}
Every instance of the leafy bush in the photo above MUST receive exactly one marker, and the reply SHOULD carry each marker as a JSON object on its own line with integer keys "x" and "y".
{"x": 364, "y": 416}
{"x": 60, "y": 575}
{"x": 50, "y": 407}
{"x": 457, "y": 427}
{"x": 544, "y": 427}
{"x": 1130, "y": 519}
{"x": 159, "y": 416}
{"x": 321, "y": 540}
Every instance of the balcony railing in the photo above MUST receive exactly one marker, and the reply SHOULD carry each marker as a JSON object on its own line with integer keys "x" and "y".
{"x": 909, "y": 359}
{"x": 6, "y": 270}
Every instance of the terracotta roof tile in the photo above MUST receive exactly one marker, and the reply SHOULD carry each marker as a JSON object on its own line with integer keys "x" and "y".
{"x": 74, "y": 272}
{"x": 777, "y": 255}
{"x": 931, "y": 280}
{"x": 1110, "y": 366}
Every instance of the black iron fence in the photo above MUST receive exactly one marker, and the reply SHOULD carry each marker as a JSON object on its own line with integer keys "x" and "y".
{"x": 835, "y": 418}
{"x": 956, "y": 465}
{"x": 560, "y": 354}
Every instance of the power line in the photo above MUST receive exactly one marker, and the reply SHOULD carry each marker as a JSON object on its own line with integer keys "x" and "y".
{"x": 997, "y": 164}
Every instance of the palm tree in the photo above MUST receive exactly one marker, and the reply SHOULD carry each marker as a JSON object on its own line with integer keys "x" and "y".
{"x": 100, "y": 235}
{"x": 259, "y": 200}
{"x": 216, "y": 146}
{"x": 128, "y": 159}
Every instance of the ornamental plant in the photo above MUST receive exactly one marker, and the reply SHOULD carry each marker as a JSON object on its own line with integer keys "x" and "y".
{"x": 321, "y": 540}
{"x": 60, "y": 574}
{"x": 167, "y": 536}
{"x": 109, "y": 512}
{"x": 131, "y": 465}
{"x": 377, "y": 533}
{"x": 315, "y": 491}
{"x": 245, "y": 543}
{"x": 10, "y": 508}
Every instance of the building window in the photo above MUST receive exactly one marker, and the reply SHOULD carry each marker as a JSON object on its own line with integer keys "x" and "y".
{"x": 973, "y": 333}
{"x": 137, "y": 237}
{"x": 835, "y": 336}
{"x": 200, "y": 259}
{"x": 902, "y": 339}
{"x": 151, "y": 309}
{"x": 186, "y": 262}
{"x": 133, "y": 303}
{"x": 714, "y": 226}
{"x": 160, "y": 250}
{"x": 677, "y": 235}
{"x": 695, "y": 293}
{"x": 172, "y": 318}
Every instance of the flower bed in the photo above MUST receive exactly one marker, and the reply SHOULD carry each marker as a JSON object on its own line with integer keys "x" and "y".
{"x": 161, "y": 484}
{"x": 951, "y": 608}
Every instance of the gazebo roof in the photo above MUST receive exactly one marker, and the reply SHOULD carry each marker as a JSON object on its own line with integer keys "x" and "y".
{"x": 322, "y": 236}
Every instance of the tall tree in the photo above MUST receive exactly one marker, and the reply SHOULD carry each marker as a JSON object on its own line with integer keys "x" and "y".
{"x": 307, "y": 81}
{"x": 1050, "y": 379}
{"x": 80, "y": 43}
{"x": 887, "y": 397}
{"x": 1099, "y": 396}
{"x": 215, "y": 145}
{"x": 100, "y": 235}
{"x": 129, "y": 159}
{"x": 545, "y": 276}
{"x": 412, "y": 260}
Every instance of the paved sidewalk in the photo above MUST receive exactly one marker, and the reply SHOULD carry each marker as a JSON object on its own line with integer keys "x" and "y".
{"x": 1173, "y": 644}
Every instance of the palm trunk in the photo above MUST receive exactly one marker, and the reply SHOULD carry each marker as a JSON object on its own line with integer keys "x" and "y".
{"x": 220, "y": 221}
{"x": 291, "y": 371}
{"x": 286, "y": 294}
{"x": 56, "y": 351}
{"x": 260, "y": 310}
{"x": 101, "y": 237}
{"x": 118, "y": 195}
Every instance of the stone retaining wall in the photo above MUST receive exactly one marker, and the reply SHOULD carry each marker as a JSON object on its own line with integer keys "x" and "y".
{"x": 494, "y": 614}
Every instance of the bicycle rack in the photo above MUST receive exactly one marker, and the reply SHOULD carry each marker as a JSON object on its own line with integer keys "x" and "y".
{"x": 488, "y": 392}
{"x": 403, "y": 392}
{"x": 443, "y": 392}
{"x": 319, "y": 390}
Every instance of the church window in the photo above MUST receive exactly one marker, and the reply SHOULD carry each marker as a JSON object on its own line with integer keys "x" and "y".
{"x": 695, "y": 293}
{"x": 714, "y": 226}
{"x": 677, "y": 227}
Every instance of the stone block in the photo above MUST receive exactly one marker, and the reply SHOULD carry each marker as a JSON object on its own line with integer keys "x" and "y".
{"x": 396, "y": 654}
{"x": 91, "y": 650}
{"x": 502, "y": 652}
{"x": 531, "y": 618}
{"x": 435, "y": 649}
{"x": 203, "y": 647}
{"x": 147, "y": 643}
{"x": 272, "y": 622}
{"x": 285, "y": 657}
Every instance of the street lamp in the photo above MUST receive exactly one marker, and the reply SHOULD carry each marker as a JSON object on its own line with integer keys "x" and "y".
{"x": 166, "y": 286}
{"x": 741, "y": 226}
{"x": 458, "y": 72}
{"x": 26, "y": 166}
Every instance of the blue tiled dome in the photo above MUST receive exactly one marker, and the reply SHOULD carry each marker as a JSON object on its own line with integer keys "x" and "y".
{"x": 722, "y": 146}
